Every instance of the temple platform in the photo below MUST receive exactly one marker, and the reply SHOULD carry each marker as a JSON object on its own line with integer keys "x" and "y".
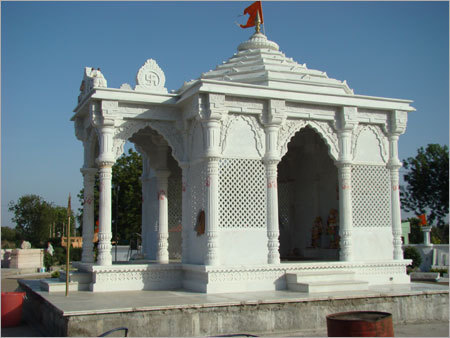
{"x": 183, "y": 313}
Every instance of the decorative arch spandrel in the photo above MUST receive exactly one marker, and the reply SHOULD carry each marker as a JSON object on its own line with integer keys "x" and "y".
{"x": 166, "y": 129}
{"x": 380, "y": 136}
{"x": 323, "y": 128}
{"x": 252, "y": 122}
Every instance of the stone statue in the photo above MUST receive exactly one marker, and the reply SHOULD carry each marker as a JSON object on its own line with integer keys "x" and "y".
{"x": 50, "y": 249}
{"x": 25, "y": 245}
{"x": 316, "y": 232}
{"x": 333, "y": 229}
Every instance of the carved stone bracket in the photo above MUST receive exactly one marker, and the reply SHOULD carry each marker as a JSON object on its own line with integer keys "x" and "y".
{"x": 397, "y": 122}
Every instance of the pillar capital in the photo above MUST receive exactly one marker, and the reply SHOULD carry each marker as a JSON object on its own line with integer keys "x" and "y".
{"x": 397, "y": 123}
{"x": 275, "y": 115}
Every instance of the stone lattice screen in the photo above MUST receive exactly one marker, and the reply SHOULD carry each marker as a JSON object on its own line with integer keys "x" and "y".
{"x": 371, "y": 196}
{"x": 174, "y": 201}
{"x": 196, "y": 181}
{"x": 242, "y": 193}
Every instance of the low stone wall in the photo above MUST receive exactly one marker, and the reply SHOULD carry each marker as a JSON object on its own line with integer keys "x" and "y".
{"x": 26, "y": 258}
{"x": 433, "y": 256}
{"x": 257, "y": 318}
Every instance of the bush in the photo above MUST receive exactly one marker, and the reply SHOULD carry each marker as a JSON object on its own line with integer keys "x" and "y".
{"x": 55, "y": 274}
{"x": 49, "y": 260}
{"x": 441, "y": 271}
{"x": 412, "y": 253}
{"x": 8, "y": 244}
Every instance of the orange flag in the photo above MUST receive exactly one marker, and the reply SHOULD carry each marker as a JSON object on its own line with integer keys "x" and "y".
{"x": 252, "y": 10}
{"x": 423, "y": 219}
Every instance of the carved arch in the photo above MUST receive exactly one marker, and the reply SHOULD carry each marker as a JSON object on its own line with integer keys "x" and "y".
{"x": 379, "y": 134}
{"x": 323, "y": 128}
{"x": 258, "y": 132}
{"x": 166, "y": 129}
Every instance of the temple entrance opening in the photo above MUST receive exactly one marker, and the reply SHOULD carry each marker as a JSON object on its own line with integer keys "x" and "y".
{"x": 308, "y": 200}
{"x": 161, "y": 188}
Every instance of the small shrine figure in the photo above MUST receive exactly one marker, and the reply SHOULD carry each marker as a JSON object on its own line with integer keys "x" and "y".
{"x": 316, "y": 232}
{"x": 333, "y": 229}
{"x": 50, "y": 249}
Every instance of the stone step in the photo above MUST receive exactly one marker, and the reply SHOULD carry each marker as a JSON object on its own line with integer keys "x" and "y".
{"x": 329, "y": 286}
{"x": 76, "y": 276}
{"x": 319, "y": 276}
{"x": 54, "y": 285}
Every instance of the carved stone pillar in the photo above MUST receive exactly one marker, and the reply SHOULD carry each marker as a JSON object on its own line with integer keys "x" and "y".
{"x": 88, "y": 215}
{"x": 105, "y": 162}
{"x": 184, "y": 213}
{"x": 273, "y": 232}
{"x": 272, "y": 120}
{"x": 347, "y": 121}
{"x": 397, "y": 127}
{"x": 162, "y": 256}
{"x": 345, "y": 211}
{"x": 212, "y": 123}
{"x": 212, "y": 210}
{"x": 104, "y": 234}
{"x": 146, "y": 204}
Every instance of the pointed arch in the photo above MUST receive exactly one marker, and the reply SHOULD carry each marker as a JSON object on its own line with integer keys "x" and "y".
{"x": 166, "y": 129}
{"x": 323, "y": 128}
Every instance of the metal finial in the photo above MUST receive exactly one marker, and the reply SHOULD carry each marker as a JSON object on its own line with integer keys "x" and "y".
{"x": 257, "y": 23}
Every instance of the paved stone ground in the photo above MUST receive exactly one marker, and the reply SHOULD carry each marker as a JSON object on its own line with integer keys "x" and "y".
{"x": 10, "y": 277}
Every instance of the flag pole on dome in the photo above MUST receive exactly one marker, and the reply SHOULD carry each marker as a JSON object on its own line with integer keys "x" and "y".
{"x": 255, "y": 16}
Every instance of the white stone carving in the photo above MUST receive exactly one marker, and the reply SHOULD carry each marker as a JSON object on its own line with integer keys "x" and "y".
{"x": 150, "y": 78}
{"x": 258, "y": 133}
{"x": 235, "y": 187}
{"x": 371, "y": 196}
{"x": 92, "y": 78}
{"x": 166, "y": 128}
{"x": 125, "y": 86}
{"x": 381, "y": 138}
{"x": 291, "y": 127}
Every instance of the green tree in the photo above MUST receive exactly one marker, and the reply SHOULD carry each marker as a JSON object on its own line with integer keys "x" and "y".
{"x": 33, "y": 217}
{"x": 426, "y": 191}
{"x": 127, "y": 187}
{"x": 59, "y": 221}
{"x": 10, "y": 238}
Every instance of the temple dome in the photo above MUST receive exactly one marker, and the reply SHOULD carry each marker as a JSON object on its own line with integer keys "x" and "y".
{"x": 260, "y": 62}
{"x": 258, "y": 41}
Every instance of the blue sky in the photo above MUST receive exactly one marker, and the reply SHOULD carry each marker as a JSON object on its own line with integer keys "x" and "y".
{"x": 389, "y": 49}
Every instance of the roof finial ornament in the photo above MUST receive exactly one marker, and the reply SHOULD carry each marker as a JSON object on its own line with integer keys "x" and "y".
{"x": 257, "y": 23}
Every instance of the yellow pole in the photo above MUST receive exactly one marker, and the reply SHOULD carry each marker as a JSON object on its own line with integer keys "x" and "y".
{"x": 68, "y": 248}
